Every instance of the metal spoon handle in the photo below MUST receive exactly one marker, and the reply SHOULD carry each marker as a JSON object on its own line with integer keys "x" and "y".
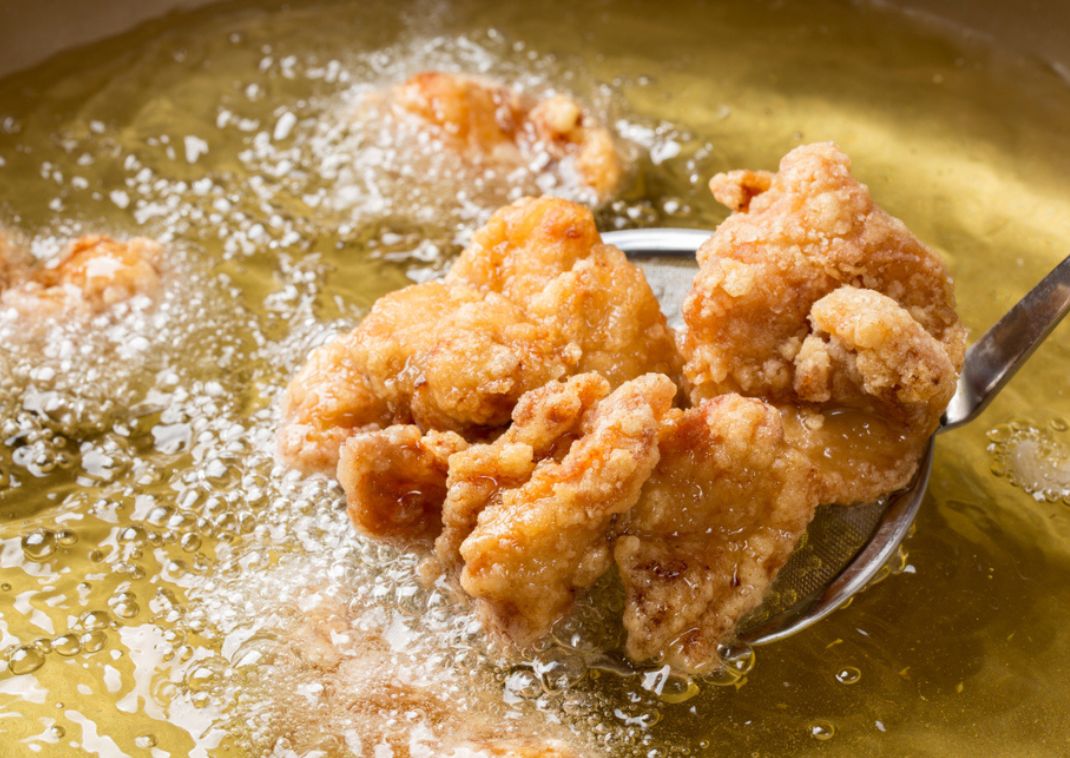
{"x": 994, "y": 359}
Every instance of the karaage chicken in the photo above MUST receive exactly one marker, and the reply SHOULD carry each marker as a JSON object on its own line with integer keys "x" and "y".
{"x": 457, "y": 355}
{"x": 813, "y": 298}
{"x": 820, "y": 347}
{"x": 536, "y": 544}
{"x": 545, "y": 422}
{"x": 377, "y": 699}
{"x": 719, "y": 516}
{"x": 395, "y": 480}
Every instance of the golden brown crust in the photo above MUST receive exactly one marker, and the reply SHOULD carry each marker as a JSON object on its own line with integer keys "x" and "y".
{"x": 395, "y": 481}
{"x": 814, "y": 230}
{"x": 717, "y": 519}
{"x": 328, "y": 400}
{"x": 534, "y": 298}
{"x": 443, "y": 357}
{"x": 546, "y": 255}
{"x": 545, "y": 422}
{"x": 537, "y": 544}
{"x": 812, "y": 297}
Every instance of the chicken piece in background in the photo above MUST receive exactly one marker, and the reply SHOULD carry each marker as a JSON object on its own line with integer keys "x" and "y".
{"x": 93, "y": 274}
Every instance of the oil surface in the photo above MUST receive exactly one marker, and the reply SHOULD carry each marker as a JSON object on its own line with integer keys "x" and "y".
{"x": 153, "y": 557}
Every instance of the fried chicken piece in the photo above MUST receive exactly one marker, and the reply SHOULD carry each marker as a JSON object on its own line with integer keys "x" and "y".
{"x": 442, "y": 357}
{"x": 395, "y": 481}
{"x": 546, "y": 254}
{"x": 813, "y": 230}
{"x": 866, "y": 348}
{"x": 94, "y": 273}
{"x": 327, "y": 401}
{"x": 491, "y": 123}
{"x": 536, "y": 544}
{"x": 718, "y": 518}
{"x": 545, "y": 423}
{"x": 815, "y": 299}
{"x": 535, "y": 298}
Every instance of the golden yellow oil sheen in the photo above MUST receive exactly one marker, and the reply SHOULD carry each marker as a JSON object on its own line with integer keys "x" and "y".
{"x": 152, "y": 552}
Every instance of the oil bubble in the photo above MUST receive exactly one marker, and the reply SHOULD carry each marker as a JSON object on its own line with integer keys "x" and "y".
{"x": 25, "y": 660}
{"x": 145, "y": 741}
{"x": 43, "y": 644}
{"x": 93, "y": 642}
{"x": 57, "y": 732}
{"x": 848, "y": 675}
{"x": 38, "y": 544}
{"x": 66, "y": 538}
{"x": 821, "y": 730}
{"x": 67, "y": 644}
{"x": 93, "y": 620}
{"x": 679, "y": 689}
{"x": 190, "y": 542}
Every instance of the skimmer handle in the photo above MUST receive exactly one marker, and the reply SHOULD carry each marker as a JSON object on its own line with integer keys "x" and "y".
{"x": 994, "y": 359}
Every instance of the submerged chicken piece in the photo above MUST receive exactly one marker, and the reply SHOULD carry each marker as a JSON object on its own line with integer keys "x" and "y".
{"x": 538, "y": 543}
{"x": 812, "y": 297}
{"x": 395, "y": 480}
{"x": 535, "y": 298}
{"x": 546, "y": 255}
{"x": 15, "y": 262}
{"x": 545, "y": 423}
{"x": 94, "y": 273}
{"x": 718, "y": 518}
{"x": 344, "y": 680}
{"x": 491, "y": 123}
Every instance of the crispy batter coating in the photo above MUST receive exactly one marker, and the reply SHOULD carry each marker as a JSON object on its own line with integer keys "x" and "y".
{"x": 717, "y": 519}
{"x": 536, "y": 544}
{"x": 443, "y": 357}
{"x": 534, "y": 298}
{"x": 545, "y": 423}
{"x": 814, "y": 229}
{"x": 490, "y": 122}
{"x": 546, "y": 255}
{"x": 94, "y": 273}
{"x": 866, "y": 348}
{"x": 395, "y": 480}
{"x": 329, "y": 400}
{"x": 812, "y": 297}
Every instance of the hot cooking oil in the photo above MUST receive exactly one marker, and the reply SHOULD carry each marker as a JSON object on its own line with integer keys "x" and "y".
{"x": 158, "y": 567}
